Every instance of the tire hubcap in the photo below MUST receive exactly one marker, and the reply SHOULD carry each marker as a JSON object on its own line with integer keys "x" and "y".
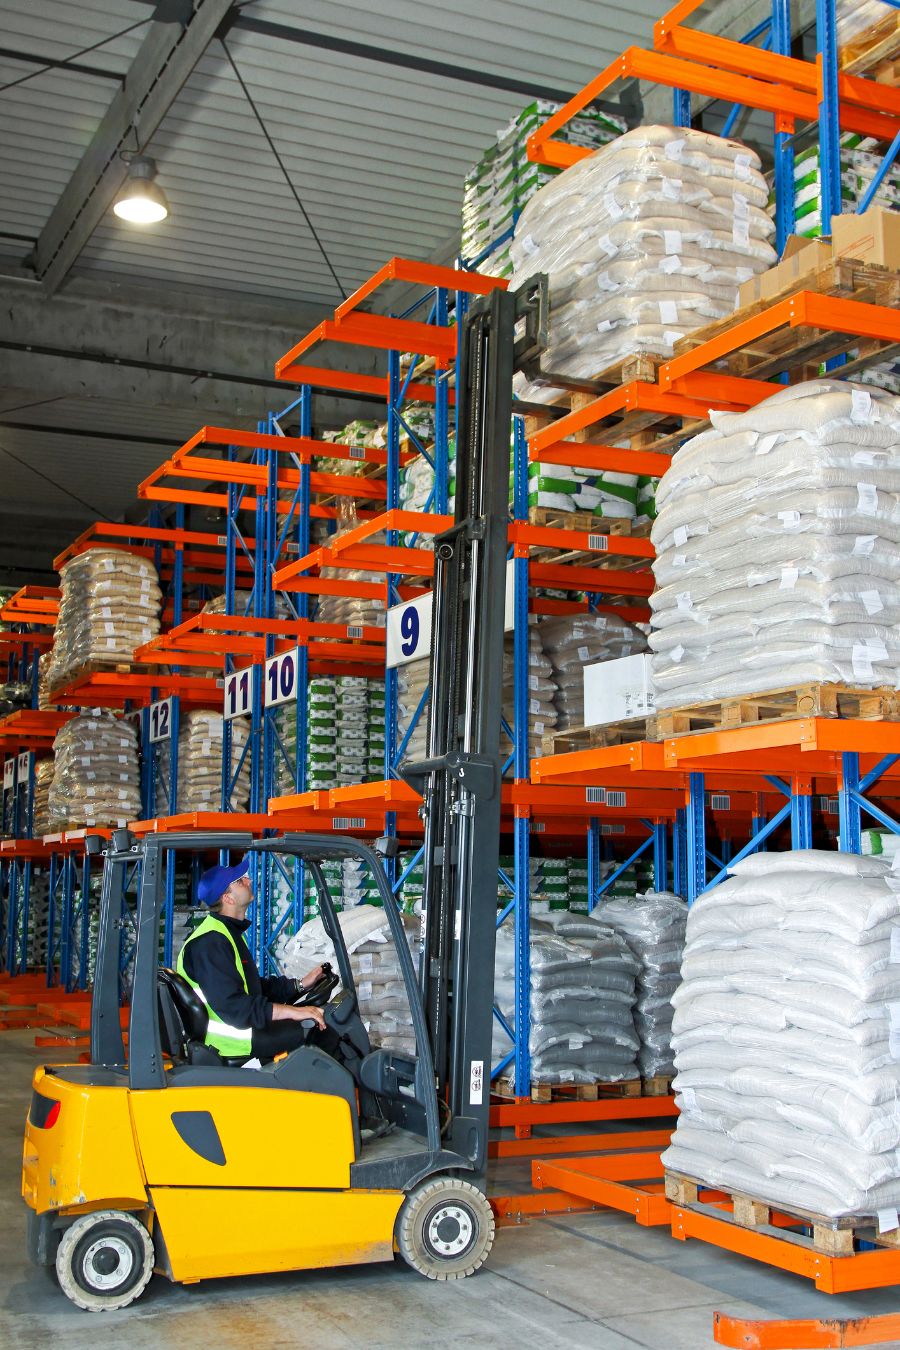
{"x": 108, "y": 1262}
{"x": 450, "y": 1230}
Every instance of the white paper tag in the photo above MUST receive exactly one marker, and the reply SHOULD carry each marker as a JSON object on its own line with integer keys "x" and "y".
{"x": 529, "y": 245}
{"x": 683, "y": 600}
{"x": 868, "y": 499}
{"x": 576, "y": 1042}
{"x": 608, "y": 246}
{"x": 767, "y": 442}
{"x": 865, "y": 458}
{"x": 672, "y": 241}
{"x": 674, "y": 150}
{"x": 688, "y": 1099}
{"x": 741, "y": 207}
{"x": 669, "y": 265}
{"x": 888, "y": 1220}
{"x": 668, "y": 311}
{"x": 741, "y": 233}
{"x": 895, "y": 938}
{"x": 742, "y": 168}
{"x": 671, "y": 189}
{"x": 863, "y": 545}
{"x": 605, "y": 325}
{"x": 872, "y": 601}
{"x": 613, "y": 209}
{"x": 893, "y": 1008}
{"x": 605, "y": 283}
{"x": 860, "y": 405}
{"x": 677, "y": 654}
{"x": 679, "y": 560}
{"x": 680, "y": 535}
{"x": 789, "y": 578}
{"x": 584, "y": 653}
{"x": 876, "y": 649}
{"x": 861, "y": 662}
{"x": 789, "y": 519}
{"x": 894, "y": 1043}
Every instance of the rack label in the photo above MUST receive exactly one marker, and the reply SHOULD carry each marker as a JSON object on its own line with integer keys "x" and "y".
{"x": 9, "y": 773}
{"x": 409, "y": 624}
{"x": 281, "y": 677}
{"x": 24, "y": 766}
{"x": 476, "y": 1082}
{"x": 238, "y": 693}
{"x": 160, "y": 721}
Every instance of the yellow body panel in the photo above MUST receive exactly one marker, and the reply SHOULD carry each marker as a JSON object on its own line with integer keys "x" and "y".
{"x": 88, "y": 1158}
{"x": 270, "y": 1138}
{"x": 213, "y": 1232}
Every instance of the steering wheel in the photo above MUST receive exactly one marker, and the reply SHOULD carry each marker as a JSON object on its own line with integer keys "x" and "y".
{"x": 320, "y": 992}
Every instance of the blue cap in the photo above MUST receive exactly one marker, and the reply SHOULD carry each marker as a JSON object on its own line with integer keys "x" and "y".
{"x": 216, "y": 880}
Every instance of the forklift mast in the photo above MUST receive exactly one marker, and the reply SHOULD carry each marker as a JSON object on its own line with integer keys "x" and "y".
{"x": 460, "y": 779}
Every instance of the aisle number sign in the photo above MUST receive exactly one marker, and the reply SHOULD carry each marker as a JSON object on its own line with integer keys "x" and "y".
{"x": 409, "y": 625}
{"x": 160, "y": 720}
{"x": 9, "y": 773}
{"x": 281, "y": 678}
{"x": 24, "y": 766}
{"x": 238, "y": 693}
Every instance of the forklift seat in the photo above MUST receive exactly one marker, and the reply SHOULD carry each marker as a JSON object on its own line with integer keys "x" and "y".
{"x": 183, "y": 1020}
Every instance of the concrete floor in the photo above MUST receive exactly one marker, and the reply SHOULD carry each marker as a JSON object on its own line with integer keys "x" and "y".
{"x": 594, "y": 1280}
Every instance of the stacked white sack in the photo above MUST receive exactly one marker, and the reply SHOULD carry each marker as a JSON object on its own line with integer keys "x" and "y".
{"x": 582, "y": 996}
{"x": 643, "y": 242}
{"x": 383, "y": 1001}
{"x": 776, "y": 548}
{"x": 573, "y": 643}
{"x": 109, "y": 605}
{"x": 653, "y": 926}
{"x": 412, "y": 682}
{"x": 96, "y": 780}
{"x": 200, "y": 752}
{"x": 784, "y": 1034}
{"x": 542, "y": 692}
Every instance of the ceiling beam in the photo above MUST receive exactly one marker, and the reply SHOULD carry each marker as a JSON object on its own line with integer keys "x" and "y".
{"x": 163, "y": 63}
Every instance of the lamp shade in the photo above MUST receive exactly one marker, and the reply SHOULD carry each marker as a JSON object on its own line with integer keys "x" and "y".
{"x": 140, "y": 200}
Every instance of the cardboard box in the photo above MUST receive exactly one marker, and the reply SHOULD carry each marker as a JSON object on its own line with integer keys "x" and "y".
{"x": 616, "y": 690}
{"x": 800, "y": 258}
{"x": 873, "y": 237}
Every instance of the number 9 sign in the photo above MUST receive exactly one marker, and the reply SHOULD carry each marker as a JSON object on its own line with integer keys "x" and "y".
{"x": 409, "y": 631}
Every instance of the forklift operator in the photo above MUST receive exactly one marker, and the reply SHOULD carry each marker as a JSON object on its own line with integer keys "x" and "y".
{"x": 248, "y": 1016}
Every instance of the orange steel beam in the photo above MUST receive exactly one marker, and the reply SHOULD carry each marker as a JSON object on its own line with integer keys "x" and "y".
{"x": 546, "y": 536}
{"x": 528, "y": 1112}
{"x": 610, "y": 458}
{"x": 748, "y": 1333}
{"x": 376, "y": 330}
{"x": 303, "y": 447}
{"x": 603, "y": 1180}
{"x": 101, "y": 532}
{"x": 421, "y": 274}
{"x": 726, "y": 54}
{"x": 350, "y": 382}
{"x": 831, "y": 1274}
{"x": 601, "y": 580}
{"x": 577, "y": 1143}
{"x": 637, "y": 396}
{"x": 806, "y": 309}
{"x": 511, "y": 1210}
{"x": 674, "y": 72}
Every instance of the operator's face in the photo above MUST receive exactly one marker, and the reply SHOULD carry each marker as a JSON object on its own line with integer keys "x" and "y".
{"x": 241, "y": 892}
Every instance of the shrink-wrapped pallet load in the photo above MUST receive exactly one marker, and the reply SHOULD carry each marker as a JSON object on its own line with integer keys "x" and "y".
{"x": 785, "y": 1035}
{"x": 542, "y": 715}
{"x": 653, "y": 925}
{"x": 646, "y": 240}
{"x": 96, "y": 780}
{"x": 43, "y": 779}
{"x": 200, "y": 755}
{"x": 776, "y": 548}
{"x": 109, "y": 605}
{"x": 582, "y": 996}
{"x": 573, "y": 642}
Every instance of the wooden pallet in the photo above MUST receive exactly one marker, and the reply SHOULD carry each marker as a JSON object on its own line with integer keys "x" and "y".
{"x": 831, "y": 1237}
{"x": 800, "y": 351}
{"x": 99, "y": 668}
{"x": 658, "y": 1086}
{"x": 608, "y": 733}
{"x": 867, "y": 53}
{"x": 807, "y": 700}
{"x": 564, "y": 1092}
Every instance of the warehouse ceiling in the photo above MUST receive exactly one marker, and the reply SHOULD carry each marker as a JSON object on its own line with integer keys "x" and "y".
{"x": 305, "y": 145}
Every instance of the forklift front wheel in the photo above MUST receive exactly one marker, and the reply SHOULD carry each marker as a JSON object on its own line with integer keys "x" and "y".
{"x": 104, "y": 1260}
{"x": 445, "y": 1229}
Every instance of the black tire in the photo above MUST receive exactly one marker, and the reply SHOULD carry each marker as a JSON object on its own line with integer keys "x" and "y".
{"x": 445, "y": 1229}
{"x": 104, "y": 1260}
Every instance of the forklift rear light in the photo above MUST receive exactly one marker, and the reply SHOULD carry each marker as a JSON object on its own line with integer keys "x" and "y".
{"x": 44, "y": 1112}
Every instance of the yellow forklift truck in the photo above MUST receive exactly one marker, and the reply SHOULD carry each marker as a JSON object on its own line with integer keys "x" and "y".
{"x": 172, "y": 1159}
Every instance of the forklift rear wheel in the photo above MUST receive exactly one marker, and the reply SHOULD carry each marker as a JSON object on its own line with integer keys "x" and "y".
{"x": 104, "y": 1260}
{"x": 445, "y": 1229}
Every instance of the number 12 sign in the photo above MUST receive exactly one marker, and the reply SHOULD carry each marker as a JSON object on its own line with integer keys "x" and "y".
{"x": 161, "y": 720}
{"x": 238, "y": 693}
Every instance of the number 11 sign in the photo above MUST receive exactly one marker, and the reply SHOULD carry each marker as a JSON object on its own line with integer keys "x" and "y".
{"x": 238, "y": 693}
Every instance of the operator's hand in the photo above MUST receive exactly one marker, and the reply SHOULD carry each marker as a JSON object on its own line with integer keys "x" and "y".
{"x": 309, "y": 980}
{"x": 286, "y": 1012}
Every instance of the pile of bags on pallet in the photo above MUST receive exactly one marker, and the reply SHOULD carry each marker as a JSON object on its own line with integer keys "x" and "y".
{"x": 345, "y": 732}
{"x": 573, "y": 642}
{"x": 200, "y": 756}
{"x": 96, "y": 779}
{"x": 542, "y": 692}
{"x": 644, "y": 241}
{"x": 582, "y": 998}
{"x": 776, "y": 548}
{"x": 653, "y": 925}
{"x": 383, "y": 1001}
{"x": 109, "y": 605}
{"x": 785, "y": 1035}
